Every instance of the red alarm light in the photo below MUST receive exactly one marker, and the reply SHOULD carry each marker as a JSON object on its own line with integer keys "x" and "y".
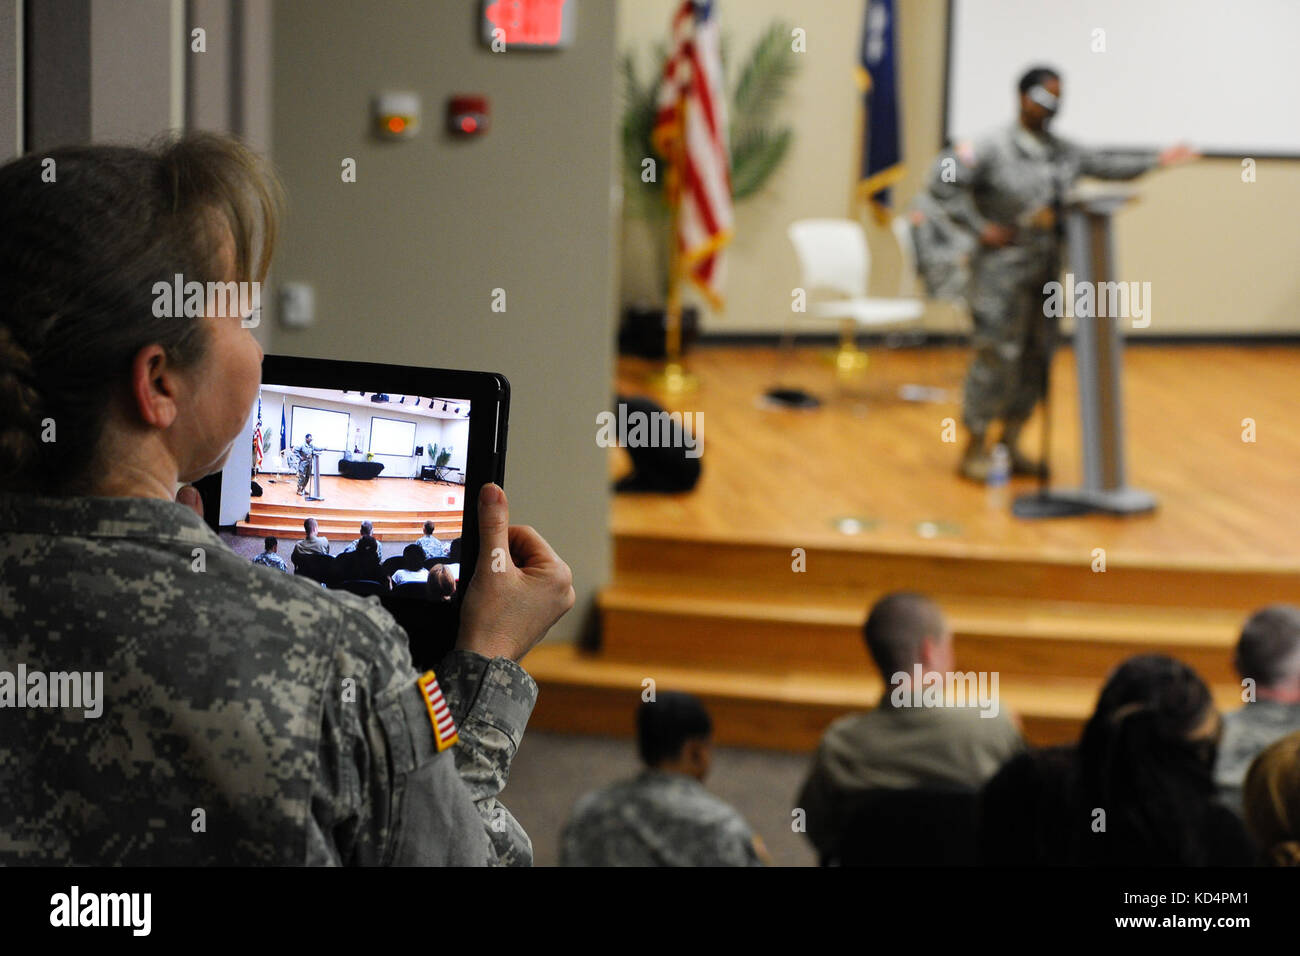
{"x": 467, "y": 115}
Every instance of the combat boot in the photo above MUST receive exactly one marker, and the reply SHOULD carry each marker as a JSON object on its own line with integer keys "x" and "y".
{"x": 1021, "y": 464}
{"x": 976, "y": 461}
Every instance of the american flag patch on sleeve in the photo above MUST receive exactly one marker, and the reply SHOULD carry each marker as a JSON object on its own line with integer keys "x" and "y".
{"x": 444, "y": 725}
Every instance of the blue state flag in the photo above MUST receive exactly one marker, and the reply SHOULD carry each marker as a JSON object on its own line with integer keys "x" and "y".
{"x": 877, "y": 73}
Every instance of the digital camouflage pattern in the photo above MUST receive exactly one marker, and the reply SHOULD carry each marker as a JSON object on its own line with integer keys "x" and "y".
{"x": 1013, "y": 178}
{"x": 248, "y": 718}
{"x": 656, "y": 819}
{"x": 352, "y": 546}
{"x": 271, "y": 561}
{"x": 1246, "y": 734}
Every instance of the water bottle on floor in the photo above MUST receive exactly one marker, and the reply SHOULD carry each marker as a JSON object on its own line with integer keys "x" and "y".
{"x": 999, "y": 477}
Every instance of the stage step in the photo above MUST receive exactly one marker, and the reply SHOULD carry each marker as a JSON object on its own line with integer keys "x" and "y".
{"x": 592, "y": 694}
{"x": 823, "y": 633}
{"x": 946, "y": 569}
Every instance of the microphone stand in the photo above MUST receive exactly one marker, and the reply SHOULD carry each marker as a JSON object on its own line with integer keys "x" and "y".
{"x": 1042, "y": 504}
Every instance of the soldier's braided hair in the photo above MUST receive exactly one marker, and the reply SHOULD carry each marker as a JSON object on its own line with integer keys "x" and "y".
{"x": 85, "y": 233}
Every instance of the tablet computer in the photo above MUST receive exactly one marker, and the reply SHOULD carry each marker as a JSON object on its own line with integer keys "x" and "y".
{"x": 391, "y": 453}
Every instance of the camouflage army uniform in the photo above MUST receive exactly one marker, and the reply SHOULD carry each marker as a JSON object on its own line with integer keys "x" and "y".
{"x": 656, "y": 819}
{"x": 304, "y": 453}
{"x": 1015, "y": 178}
{"x": 289, "y": 716}
{"x": 379, "y": 548}
{"x": 1246, "y": 734}
{"x": 271, "y": 561}
{"x": 433, "y": 547}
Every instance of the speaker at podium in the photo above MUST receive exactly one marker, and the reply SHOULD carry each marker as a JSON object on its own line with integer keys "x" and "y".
{"x": 1098, "y": 351}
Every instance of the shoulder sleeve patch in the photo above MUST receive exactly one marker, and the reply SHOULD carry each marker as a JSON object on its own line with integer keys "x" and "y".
{"x": 444, "y": 725}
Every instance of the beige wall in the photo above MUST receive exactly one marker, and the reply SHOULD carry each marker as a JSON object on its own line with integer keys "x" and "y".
{"x": 405, "y": 260}
{"x": 1220, "y": 254}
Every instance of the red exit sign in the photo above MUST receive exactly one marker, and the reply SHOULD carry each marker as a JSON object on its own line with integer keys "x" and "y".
{"x": 527, "y": 24}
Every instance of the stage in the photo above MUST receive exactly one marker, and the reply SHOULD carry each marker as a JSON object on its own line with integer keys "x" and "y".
{"x": 706, "y": 593}
{"x": 398, "y": 507}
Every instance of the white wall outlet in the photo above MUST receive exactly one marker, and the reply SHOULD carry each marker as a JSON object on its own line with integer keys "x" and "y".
{"x": 297, "y": 304}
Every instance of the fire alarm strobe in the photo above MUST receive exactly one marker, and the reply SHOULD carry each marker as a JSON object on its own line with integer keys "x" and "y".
{"x": 396, "y": 115}
{"x": 467, "y": 115}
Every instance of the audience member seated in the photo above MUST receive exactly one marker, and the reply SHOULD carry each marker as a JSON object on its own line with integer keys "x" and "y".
{"x": 664, "y": 816}
{"x": 312, "y": 544}
{"x": 271, "y": 557}
{"x": 899, "y": 745}
{"x": 318, "y": 567}
{"x": 441, "y": 583}
{"x": 413, "y": 569}
{"x": 1138, "y": 790}
{"x": 1023, "y": 815}
{"x": 1271, "y": 799}
{"x": 367, "y": 534}
{"x": 432, "y": 547}
{"x": 1268, "y": 656}
{"x": 361, "y": 564}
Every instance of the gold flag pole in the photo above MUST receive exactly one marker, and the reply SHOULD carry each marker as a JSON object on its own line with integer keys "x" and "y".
{"x": 674, "y": 378}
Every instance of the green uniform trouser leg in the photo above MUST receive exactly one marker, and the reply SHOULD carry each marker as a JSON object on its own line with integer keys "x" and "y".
{"x": 1011, "y": 341}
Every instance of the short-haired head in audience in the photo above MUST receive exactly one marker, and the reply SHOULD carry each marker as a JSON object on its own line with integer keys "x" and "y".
{"x": 674, "y": 734}
{"x": 428, "y": 527}
{"x": 1271, "y": 799}
{"x": 441, "y": 584}
{"x": 271, "y": 544}
{"x": 905, "y": 629}
{"x": 309, "y": 526}
{"x": 413, "y": 557}
{"x": 1268, "y": 653}
{"x": 367, "y": 527}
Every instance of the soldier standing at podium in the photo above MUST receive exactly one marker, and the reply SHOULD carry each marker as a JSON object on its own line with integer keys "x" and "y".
{"x": 1008, "y": 190}
{"x": 304, "y": 453}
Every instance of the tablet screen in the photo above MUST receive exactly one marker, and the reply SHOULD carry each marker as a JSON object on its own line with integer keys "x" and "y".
{"x": 382, "y": 476}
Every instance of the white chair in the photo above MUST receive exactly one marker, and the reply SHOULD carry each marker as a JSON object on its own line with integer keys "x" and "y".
{"x": 833, "y": 254}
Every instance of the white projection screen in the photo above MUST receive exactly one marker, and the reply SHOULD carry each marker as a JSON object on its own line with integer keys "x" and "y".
{"x": 1221, "y": 75}
{"x": 328, "y": 430}
{"x": 388, "y": 436}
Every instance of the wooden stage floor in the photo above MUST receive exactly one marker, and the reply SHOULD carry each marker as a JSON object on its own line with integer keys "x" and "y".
{"x": 377, "y": 495}
{"x": 787, "y": 475}
{"x": 703, "y": 597}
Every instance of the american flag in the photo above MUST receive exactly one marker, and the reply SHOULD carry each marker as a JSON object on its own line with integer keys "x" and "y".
{"x": 257, "y": 437}
{"x": 444, "y": 725}
{"x": 691, "y": 133}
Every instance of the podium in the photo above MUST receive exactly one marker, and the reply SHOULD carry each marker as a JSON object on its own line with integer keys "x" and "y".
{"x": 1098, "y": 354}
{"x": 314, "y": 495}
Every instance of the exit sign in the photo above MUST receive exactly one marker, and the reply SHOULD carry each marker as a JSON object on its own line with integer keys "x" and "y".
{"x": 527, "y": 24}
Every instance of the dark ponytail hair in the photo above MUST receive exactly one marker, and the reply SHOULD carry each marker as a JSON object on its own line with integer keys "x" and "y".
{"x": 1138, "y": 764}
{"x": 79, "y": 258}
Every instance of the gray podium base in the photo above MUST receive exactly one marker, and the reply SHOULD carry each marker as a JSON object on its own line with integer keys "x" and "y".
{"x": 1078, "y": 501}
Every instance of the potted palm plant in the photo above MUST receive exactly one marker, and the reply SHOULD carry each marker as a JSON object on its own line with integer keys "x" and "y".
{"x": 756, "y": 143}
{"x": 440, "y": 459}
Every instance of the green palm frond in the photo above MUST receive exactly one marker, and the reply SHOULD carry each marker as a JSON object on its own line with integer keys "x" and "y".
{"x": 764, "y": 79}
{"x": 755, "y": 155}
